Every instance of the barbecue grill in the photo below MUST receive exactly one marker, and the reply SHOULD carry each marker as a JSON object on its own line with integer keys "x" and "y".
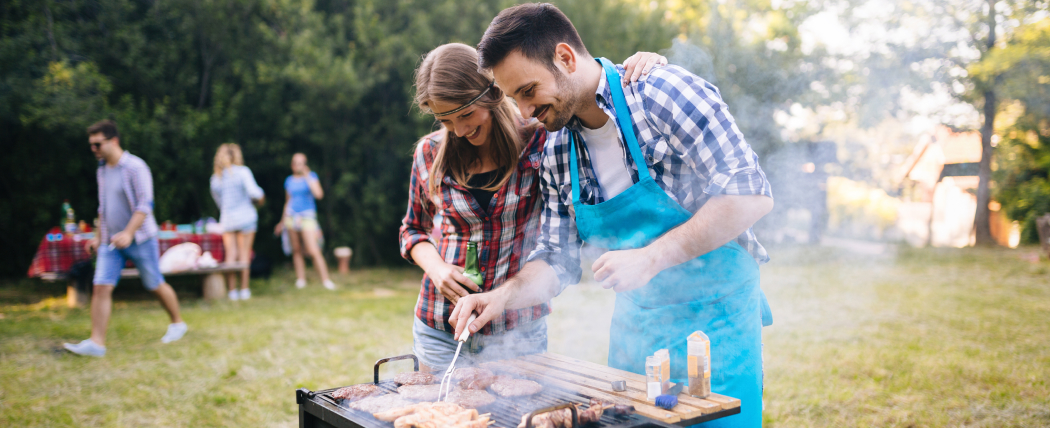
{"x": 317, "y": 409}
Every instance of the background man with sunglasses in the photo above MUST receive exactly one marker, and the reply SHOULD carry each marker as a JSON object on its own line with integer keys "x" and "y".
{"x": 127, "y": 230}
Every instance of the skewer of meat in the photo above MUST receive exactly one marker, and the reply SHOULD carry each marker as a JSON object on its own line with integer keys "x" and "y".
{"x": 562, "y": 418}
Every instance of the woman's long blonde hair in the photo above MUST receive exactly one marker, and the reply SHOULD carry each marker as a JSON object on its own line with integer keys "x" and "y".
{"x": 227, "y": 154}
{"x": 450, "y": 74}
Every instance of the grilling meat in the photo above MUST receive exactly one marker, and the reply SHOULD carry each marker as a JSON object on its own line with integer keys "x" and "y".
{"x": 380, "y": 403}
{"x": 391, "y": 415}
{"x": 510, "y": 387}
{"x": 434, "y": 415}
{"x": 419, "y": 392}
{"x": 355, "y": 392}
{"x": 471, "y": 398}
{"x": 473, "y": 378}
{"x": 562, "y": 418}
{"x": 414, "y": 378}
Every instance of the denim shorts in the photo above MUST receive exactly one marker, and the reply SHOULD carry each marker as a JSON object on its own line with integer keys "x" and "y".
{"x": 243, "y": 227}
{"x": 304, "y": 221}
{"x": 435, "y": 348}
{"x": 145, "y": 256}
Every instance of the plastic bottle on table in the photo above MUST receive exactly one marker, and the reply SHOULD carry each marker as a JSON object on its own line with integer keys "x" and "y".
{"x": 653, "y": 378}
{"x": 70, "y": 225}
{"x": 664, "y": 357}
{"x": 698, "y": 354}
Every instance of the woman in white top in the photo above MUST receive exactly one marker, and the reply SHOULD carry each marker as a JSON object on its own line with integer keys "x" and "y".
{"x": 236, "y": 193}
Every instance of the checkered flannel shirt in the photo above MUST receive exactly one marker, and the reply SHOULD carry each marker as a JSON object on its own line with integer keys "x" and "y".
{"x": 138, "y": 187}
{"x": 690, "y": 142}
{"x": 505, "y": 234}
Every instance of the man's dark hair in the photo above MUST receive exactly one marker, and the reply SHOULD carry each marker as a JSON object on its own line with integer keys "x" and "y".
{"x": 534, "y": 29}
{"x": 107, "y": 128}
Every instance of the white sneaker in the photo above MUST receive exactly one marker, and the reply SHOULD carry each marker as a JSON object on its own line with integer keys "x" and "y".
{"x": 300, "y": 283}
{"x": 175, "y": 332}
{"x": 246, "y": 294}
{"x": 233, "y": 295}
{"x": 87, "y": 347}
{"x": 329, "y": 284}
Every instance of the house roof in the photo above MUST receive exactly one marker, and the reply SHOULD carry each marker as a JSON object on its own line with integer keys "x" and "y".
{"x": 943, "y": 147}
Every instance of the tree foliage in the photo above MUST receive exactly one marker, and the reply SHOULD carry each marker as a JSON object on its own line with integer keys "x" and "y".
{"x": 329, "y": 78}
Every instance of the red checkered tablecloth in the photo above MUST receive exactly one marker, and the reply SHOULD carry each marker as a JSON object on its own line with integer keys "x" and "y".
{"x": 56, "y": 257}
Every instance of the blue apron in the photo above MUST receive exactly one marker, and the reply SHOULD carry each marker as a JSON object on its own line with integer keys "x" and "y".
{"x": 717, "y": 293}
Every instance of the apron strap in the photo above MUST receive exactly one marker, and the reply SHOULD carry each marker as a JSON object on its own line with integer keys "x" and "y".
{"x": 573, "y": 168}
{"x": 623, "y": 115}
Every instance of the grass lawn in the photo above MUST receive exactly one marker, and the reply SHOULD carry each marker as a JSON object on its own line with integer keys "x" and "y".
{"x": 917, "y": 338}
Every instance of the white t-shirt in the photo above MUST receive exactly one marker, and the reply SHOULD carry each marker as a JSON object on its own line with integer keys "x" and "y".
{"x": 608, "y": 158}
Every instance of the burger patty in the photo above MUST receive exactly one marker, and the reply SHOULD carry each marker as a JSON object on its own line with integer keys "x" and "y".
{"x": 419, "y": 392}
{"x": 471, "y": 398}
{"x": 414, "y": 378}
{"x": 473, "y": 378}
{"x": 380, "y": 403}
{"x": 510, "y": 387}
{"x": 355, "y": 392}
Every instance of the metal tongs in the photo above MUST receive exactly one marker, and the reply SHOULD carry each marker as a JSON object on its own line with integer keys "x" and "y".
{"x": 447, "y": 379}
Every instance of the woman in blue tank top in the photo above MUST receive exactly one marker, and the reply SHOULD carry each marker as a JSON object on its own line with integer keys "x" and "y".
{"x": 303, "y": 189}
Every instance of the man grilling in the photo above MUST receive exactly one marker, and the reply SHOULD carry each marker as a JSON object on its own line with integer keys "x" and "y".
{"x": 658, "y": 173}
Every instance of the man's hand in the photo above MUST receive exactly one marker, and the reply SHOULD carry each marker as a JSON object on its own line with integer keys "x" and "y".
{"x": 488, "y": 306}
{"x": 91, "y": 245}
{"x": 278, "y": 228}
{"x": 121, "y": 239}
{"x": 449, "y": 280}
{"x": 625, "y": 270}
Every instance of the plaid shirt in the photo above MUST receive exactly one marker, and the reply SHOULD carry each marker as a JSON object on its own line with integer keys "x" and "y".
{"x": 505, "y": 234}
{"x": 690, "y": 142}
{"x": 138, "y": 187}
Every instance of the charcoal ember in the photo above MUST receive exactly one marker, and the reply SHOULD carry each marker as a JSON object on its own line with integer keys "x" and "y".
{"x": 355, "y": 392}
{"x": 510, "y": 387}
{"x": 414, "y": 378}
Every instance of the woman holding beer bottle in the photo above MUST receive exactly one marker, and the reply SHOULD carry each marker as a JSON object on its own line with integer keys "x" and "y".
{"x": 479, "y": 174}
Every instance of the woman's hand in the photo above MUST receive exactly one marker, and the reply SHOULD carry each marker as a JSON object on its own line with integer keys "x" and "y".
{"x": 640, "y": 64}
{"x": 449, "y": 281}
{"x": 279, "y": 227}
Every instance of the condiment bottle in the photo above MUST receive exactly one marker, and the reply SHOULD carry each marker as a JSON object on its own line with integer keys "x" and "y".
{"x": 698, "y": 355}
{"x": 471, "y": 269}
{"x": 664, "y": 357}
{"x": 653, "y": 378}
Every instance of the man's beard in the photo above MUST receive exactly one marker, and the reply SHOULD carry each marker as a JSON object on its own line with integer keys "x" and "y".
{"x": 560, "y": 114}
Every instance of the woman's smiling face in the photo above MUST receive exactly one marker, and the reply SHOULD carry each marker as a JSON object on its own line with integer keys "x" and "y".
{"x": 473, "y": 123}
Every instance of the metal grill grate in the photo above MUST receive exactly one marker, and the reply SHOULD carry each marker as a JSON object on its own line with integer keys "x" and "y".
{"x": 507, "y": 413}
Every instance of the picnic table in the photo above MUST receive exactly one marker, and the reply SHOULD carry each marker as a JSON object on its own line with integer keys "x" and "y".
{"x": 58, "y": 252}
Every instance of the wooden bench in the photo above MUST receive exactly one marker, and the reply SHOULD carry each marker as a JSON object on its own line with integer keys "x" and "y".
{"x": 213, "y": 283}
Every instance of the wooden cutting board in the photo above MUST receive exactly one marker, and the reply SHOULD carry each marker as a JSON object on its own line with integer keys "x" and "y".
{"x": 594, "y": 380}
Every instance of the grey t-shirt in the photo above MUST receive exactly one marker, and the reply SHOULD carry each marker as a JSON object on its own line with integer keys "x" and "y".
{"x": 117, "y": 211}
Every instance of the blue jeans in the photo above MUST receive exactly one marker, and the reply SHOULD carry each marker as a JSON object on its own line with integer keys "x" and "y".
{"x": 146, "y": 257}
{"x": 435, "y": 348}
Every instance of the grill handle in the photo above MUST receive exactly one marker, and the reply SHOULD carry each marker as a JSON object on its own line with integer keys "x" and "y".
{"x": 389, "y": 359}
{"x": 570, "y": 406}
